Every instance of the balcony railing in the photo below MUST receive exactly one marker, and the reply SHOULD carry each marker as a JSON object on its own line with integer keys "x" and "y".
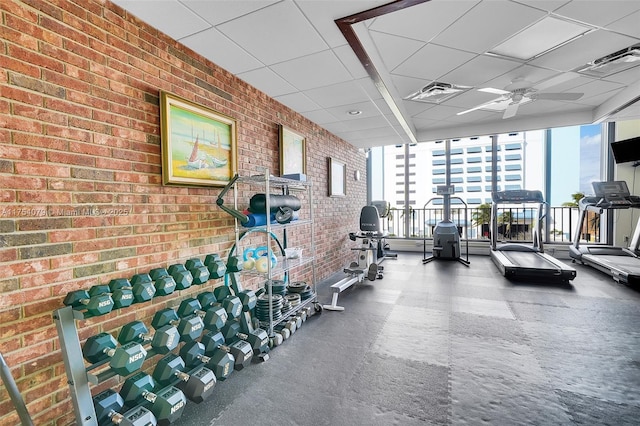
{"x": 514, "y": 224}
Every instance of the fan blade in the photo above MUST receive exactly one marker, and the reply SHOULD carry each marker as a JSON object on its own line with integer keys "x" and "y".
{"x": 511, "y": 110}
{"x": 479, "y": 107}
{"x": 558, "y": 96}
{"x": 494, "y": 91}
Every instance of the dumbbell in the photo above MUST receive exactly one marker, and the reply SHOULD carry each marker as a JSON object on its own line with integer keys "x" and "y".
{"x": 282, "y": 330}
{"x": 167, "y": 404}
{"x": 207, "y": 299}
{"x": 190, "y": 327}
{"x": 215, "y": 265}
{"x": 240, "y": 351}
{"x": 181, "y": 276}
{"x": 235, "y": 264}
{"x": 165, "y": 284}
{"x": 258, "y": 339}
{"x": 143, "y": 291}
{"x": 99, "y": 304}
{"x": 123, "y": 360}
{"x": 197, "y": 385}
{"x": 199, "y": 272}
{"x": 214, "y": 317}
{"x": 108, "y": 404}
{"x": 122, "y": 297}
{"x": 164, "y": 340}
{"x": 218, "y": 358}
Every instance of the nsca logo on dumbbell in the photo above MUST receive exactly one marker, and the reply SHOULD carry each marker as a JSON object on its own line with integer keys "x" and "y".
{"x": 260, "y": 257}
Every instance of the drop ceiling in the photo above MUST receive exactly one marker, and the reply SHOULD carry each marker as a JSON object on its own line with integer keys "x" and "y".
{"x": 353, "y": 78}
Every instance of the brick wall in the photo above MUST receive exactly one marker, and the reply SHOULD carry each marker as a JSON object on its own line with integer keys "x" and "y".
{"x": 82, "y": 199}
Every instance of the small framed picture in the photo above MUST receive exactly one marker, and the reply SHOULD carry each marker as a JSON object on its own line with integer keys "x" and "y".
{"x": 337, "y": 178}
{"x": 293, "y": 152}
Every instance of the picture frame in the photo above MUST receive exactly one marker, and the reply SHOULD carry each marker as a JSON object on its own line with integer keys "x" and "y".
{"x": 293, "y": 152}
{"x": 199, "y": 145}
{"x": 337, "y": 178}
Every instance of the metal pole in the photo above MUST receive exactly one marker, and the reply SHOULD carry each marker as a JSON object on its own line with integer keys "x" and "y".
{"x": 14, "y": 393}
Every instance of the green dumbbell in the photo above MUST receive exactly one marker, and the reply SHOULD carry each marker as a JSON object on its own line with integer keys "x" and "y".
{"x": 214, "y": 317}
{"x": 95, "y": 305}
{"x": 122, "y": 297}
{"x": 190, "y": 327}
{"x": 167, "y": 404}
{"x": 108, "y": 404}
{"x": 165, "y": 284}
{"x": 142, "y": 290}
{"x": 198, "y": 270}
{"x": 164, "y": 340}
{"x": 123, "y": 360}
{"x": 181, "y": 276}
{"x": 197, "y": 386}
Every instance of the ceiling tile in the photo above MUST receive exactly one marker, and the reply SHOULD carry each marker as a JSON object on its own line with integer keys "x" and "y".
{"x": 393, "y": 49}
{"x": 583, "y": 50}
{"x": 546, "y": 5}
{"x": 169, "y": 16}
{"x": 629, "y": 25}
{"x": 598, "y": 13}
{"x": 465, "y": 33}
{"x": 432, "y": 61}
{"x": 298, "y": 102}
{"x": 322, "y": 16}
{"x": 269, "y": 80}
{"x": 277, "y": 33}
{"x": 337, "y": 94}
{"x": 219, "y": 11}
{"x": 221, "y": 51}
{"x": 350, "y": 61}
{"x": 316, "y": 70}
{"x": 480, "y": 70}
{"x": 423, "y": 21}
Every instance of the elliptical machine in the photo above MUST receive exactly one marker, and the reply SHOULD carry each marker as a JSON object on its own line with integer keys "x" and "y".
{"x": 446, "y": 238}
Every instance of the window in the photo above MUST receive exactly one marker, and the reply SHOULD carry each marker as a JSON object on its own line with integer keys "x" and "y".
{"x": 513, "y": 187}
{"x": 437, "y": 181}
{"x": 438, "y": 152}
{"x": 474, "y": 188}
{"x": 488, "y": 178}
{"x": 512, "y": 177}
{"x": 457, "y": 161}
{"x": 438, "y": 171}
{"x": 456, "y": 180}
{"x": 512, "y": 167}
{"x": 438, "y": 162}
{"x": 474, "y": 160}
{"x": 488, "y": 148}
{"x": 474, "y": 169}
{"x": 474, "y": 179}
{"x": 456, "y": 151}
{"x": 473, "y": 149}
{"x": 488, "y": 188}
{"x": 458, "y": 170}
{"x": 512, "y": 157}
{"x": 488, "y": 168}
{"x": 512, "y": 146}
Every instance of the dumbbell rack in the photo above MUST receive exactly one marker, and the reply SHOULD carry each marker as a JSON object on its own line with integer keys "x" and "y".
{"x": 78, "y": 379}
{"x": 268, "y": 184}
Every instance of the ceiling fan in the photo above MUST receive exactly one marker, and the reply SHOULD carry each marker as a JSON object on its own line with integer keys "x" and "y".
{"x": 519, "y": 92}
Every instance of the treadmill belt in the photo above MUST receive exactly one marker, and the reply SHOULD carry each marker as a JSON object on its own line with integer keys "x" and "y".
{"x": 528, "y": 260}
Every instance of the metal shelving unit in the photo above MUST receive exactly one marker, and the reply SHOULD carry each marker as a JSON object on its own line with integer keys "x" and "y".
{"x": 269, "y": 184}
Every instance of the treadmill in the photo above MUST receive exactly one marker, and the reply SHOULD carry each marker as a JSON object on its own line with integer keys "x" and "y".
{"x": 621, "y": 263}
{"x": 525, "y": 261}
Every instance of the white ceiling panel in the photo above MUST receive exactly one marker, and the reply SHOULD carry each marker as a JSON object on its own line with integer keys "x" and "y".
{"x": 222, "y": 51}
{"x": 479, "y": 70}
{"x": 394, "y": 50}
{"x": 172, "y": 17}
{"x": 293, "y": 51}
{"x": 432, "y": 61}
{"x": 275, "y": 34}
{"x": 315, "y": 70}
{"x": 583, "y": 50}
{"x": 265, "y": 77}
{"x": 219, "y": 11}
{"x": 485, "y": 26}
{"x": 599, "y": 13}
{"x": 298, "y": 102}
{"x": 424, "y": 21}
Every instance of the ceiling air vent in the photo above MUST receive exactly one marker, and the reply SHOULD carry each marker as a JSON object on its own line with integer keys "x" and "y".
{"x": 615, "y": 62}
{"x": 436, "y": 92}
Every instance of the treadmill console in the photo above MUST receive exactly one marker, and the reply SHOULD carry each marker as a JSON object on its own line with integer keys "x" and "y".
{"x": 614, "y": 195}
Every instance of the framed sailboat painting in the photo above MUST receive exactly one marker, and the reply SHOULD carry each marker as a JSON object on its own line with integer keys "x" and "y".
{"x": 199, "y": 145}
